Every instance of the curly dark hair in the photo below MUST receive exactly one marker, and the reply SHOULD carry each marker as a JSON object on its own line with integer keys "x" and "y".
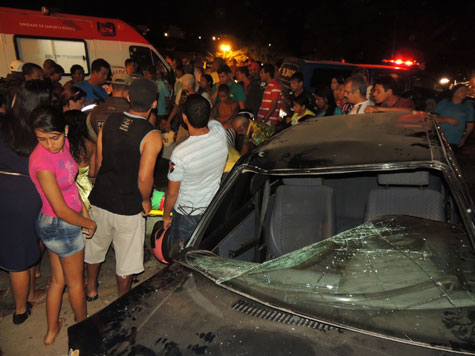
{"x": 77, "y": 135}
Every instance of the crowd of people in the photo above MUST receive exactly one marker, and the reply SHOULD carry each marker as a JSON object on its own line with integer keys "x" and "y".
{"x": 77, "y": 161}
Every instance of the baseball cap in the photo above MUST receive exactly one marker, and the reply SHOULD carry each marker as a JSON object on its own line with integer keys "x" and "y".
{"x": 121, "y": 78}
{"x": 457, "y": 87}
{"x": 16, "y": 65}
{"x": 254, "y": 65}
{"x": 187, "y": 80}
{"x": 142, "y": 93}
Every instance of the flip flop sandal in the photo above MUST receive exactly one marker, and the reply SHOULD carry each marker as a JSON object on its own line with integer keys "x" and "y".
{"x": 91, "y": 299}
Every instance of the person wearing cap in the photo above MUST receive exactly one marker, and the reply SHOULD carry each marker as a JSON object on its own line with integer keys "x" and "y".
{"x": 187, "y": 88}
{"x": 456, "y": 117}
{"x": 16, "y": 66}
{"x": 254, "y": 69}
{"x": 127, "y": 149}
{"x": 116, "y": 103}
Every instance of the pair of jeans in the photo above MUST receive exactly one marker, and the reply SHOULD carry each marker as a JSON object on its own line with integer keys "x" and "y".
{"x": 181, "y": 229}
{"x": 59, "y": 236}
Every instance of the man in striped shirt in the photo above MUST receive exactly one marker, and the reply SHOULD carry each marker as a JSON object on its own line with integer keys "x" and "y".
{"x": 196, "y": 167}
{"x": 272, "y": 98}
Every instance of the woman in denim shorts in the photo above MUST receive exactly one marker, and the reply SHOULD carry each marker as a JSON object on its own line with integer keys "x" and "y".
{"x": 63, "y": 218}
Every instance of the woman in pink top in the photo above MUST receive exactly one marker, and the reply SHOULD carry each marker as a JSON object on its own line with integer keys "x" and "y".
{"x": 63, "y": 218}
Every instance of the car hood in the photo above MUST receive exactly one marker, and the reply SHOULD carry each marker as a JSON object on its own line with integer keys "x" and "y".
{"x": 180, "y": 312}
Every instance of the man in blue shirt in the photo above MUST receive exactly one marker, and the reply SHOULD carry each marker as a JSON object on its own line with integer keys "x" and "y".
{"x": 100, "y": 71}
{"x": 462, "y": 114}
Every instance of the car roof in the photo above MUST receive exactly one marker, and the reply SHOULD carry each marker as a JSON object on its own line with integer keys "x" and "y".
{"x": 351, "y": 140}
{"x": 293, "y": 60}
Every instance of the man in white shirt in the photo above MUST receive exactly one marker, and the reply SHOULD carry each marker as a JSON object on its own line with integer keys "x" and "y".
{"x": 355, "y": 93}
{"x": 196, "y": 167}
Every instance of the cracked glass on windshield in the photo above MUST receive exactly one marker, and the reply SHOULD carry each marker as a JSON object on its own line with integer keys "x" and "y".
{"x": 400, "y": 276}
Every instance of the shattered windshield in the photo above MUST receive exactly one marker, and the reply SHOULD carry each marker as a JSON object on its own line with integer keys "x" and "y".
{"x": 399, "y": 276}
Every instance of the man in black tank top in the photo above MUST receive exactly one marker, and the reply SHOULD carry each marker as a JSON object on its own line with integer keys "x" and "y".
{"x": 127, "y": 149}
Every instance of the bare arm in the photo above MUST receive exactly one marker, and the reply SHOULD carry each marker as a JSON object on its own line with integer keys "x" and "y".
{"x": 272, "y": 108}
{"x": 171, "y": 196}
{"x": 91, "y": 147}
{"x": 151, "y": 147}
{"x": 371, "y": 109}
{"x": 214, "y": 111}
{"x": 170, "y": 117}
{"x": 47, "y": 181}
{"x": 153, "y": 119}
{"x": 468, "y": 131}
{"x": 213, "y": 97}
{"x": 246, "y": 146}
{"x": 90, "y": 129}
{"x": 99, "y": 151}
{"x": 242, "y": 105}
{"x": 236, "y": 109}
{"x": 449, "y": 120}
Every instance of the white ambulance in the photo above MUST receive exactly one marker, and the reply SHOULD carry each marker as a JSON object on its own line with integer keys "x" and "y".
{"x": 34, "y": 36}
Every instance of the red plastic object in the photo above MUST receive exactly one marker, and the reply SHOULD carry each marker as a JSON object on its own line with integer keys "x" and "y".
{"x": 157, "y": 251}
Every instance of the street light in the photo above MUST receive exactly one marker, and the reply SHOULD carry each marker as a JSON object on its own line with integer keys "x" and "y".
{"x": 444, "y": 81}
{"x": 225, "y": 48}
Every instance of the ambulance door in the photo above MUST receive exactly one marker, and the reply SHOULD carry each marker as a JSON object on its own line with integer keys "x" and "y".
{"x": 114, "y": 52}
{"x": 7, "y": 53}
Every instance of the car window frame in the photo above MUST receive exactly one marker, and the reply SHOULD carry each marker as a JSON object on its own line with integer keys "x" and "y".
{"x": 458, "y": 188}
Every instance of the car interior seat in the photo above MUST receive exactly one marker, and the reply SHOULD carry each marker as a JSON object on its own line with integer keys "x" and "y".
{"x": 405, "y": 193}
{"x": 303, "y": 214}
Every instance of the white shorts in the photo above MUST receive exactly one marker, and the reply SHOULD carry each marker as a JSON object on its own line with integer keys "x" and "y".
{"x": 126, "y": 232}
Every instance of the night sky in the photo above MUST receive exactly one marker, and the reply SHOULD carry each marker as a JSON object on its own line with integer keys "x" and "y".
{"x": 442, "y": 34}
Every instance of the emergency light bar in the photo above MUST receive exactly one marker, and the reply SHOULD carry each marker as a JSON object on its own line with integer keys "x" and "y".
{"x": 400, "y": 61}
{"x": 106, "y": 29}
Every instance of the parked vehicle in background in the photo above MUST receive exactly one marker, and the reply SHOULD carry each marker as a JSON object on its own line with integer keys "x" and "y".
{"x": 336, "y": 236}
{"x": 34, "y": 36}
{"x": 319, "y": 73}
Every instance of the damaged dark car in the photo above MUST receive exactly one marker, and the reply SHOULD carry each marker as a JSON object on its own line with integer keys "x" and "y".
{"x": 342, "y": 235}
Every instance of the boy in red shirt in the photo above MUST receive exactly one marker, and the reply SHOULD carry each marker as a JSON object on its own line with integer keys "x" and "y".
{"x": 272, "y": 98}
